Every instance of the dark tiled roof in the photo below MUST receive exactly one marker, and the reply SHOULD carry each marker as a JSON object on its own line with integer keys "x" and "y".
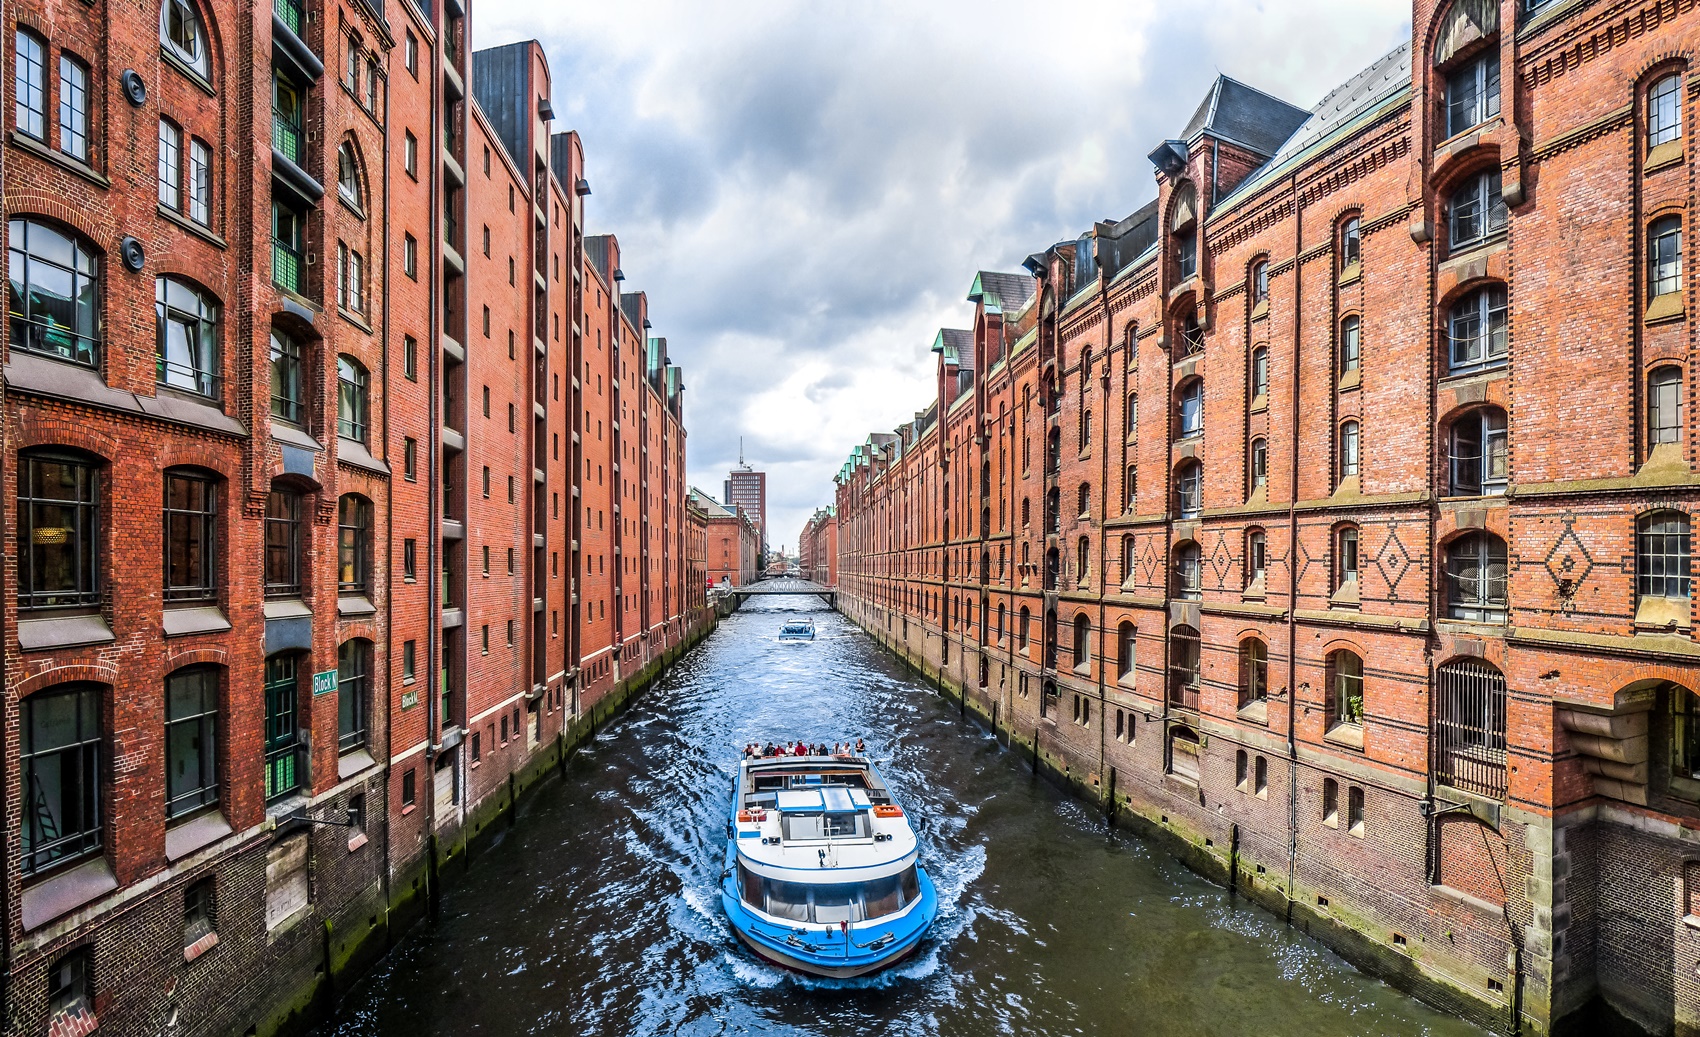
{"x": 956, "y": 345}
{"x": 1011, "y": 291}
{"x": 1246, "y": 115}
{"x": 629, "y": 306}
{"x": 1387, "y": 79}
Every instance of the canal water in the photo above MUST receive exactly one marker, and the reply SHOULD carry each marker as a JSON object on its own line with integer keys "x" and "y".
{"x": 600, "y": 912}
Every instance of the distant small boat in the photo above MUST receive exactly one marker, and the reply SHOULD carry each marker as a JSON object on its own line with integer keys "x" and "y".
{"x": 822, "y": 870}
{"x": 798, "y": 630}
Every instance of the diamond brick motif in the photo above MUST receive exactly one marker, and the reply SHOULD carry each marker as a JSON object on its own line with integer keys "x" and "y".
{"x": 1568, "y": 559}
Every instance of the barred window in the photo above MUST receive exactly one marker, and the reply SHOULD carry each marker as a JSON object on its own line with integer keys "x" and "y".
{"x": 1477, "y": 329}
{"x": 1189, "y": 489}
{"x": 1664, "y": 256}
{"x": 1472, "y": 93}
{"x": 1183, "y": 667}
{"x": 1664, "y": 405}
{"x": 1188, "y": 571}
{"x": 1664, "y": 111}
{"x": 1661, "y": 555}
{"x": 1475, "y": 573}
{"x": 1479, "y": 458}
{"x": 1476, "y": 211}
{"x": 1470, "y": 727}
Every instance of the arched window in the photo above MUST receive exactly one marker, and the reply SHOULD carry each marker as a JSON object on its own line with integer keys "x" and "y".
{"x": 1476, "y": 211}
{"x": 1475, "y": 574}
{"x": 1256, "y": 556}
{"x": 348, "y": 175}
{"x": 1664, "y": 256}
{"x": 1348, "y": 450}
{"x": 1130, "y": 487}
{"x": 59, "y": 532}
{"x": 184, "y": 37}
{"x": 1254, "y": 671}
{"x": 1192, "y": 408}
{"x": 1189, "y": 489}
{"x": 1470, "y": 727}
{"x": 1188, "y": 571}
{"x": 354, "y": 544}
{"x": 1130, "y": 414}
{"x": 1259, "y": 375}
{"x": 1684, "y": 733}
{"x": 1345, "y": 689}
{"x": 1082, "y": 643}
{"x": 352, "y": 399}
{"x": 1126, "y": 644}
{"x": 1082, "y": 559}
{"x": 1024, "y": 629}
{"x": 354, "y": 694}
{"x": 1664, "y": 405}
{"x": 1054, "y": 447}
{"x": 1351, "y": 243}
{"x": 187, "y": 345}
{"x": 1259, "y": 464}
{"x": 1476, "y": 329}
{"x": 1000, "y": 622}
{"x": 191, "y": 535}
{"x": 1661, "y": 555}
{"x": 60, "y": 751}
{"x": 1351, "y": 343}
{"x": 1345, "y": 557}
{"x": 1472, "y": 92}
{"x": 1127, "y": 558}
{"x": 55, "y": 292}
{"x": 191, "y": 740}
{"x": 1479, "y": 461}
{"x": 1260, "y": 282}
{"x": 1664, "y": 111}
{"x": 1085, "y": 499}
{"x": 1183, "y": 667}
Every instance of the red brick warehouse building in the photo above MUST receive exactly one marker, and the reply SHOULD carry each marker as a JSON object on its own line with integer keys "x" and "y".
{"x": 1331, "y": 512}
{"x": 817, "y": 547}
{"x": 301, "y": 490}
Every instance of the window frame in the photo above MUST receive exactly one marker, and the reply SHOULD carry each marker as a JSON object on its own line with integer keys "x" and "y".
{"x": 1664, "y": 256}
{"x": 354, "y": 545}
{"x": 1351, "y": 449}
{"x": 202, "y": 375}
{"x": 84, "y": 757}
{"x": 1663, "y": 535}
{"x": 1485, "y": 315}
{"x": 354, "y": 695}
{"x": 1350, "y": 240}
{"x": 202, "y": 722}
{"x": 282, "y": 691}
{"x": 1478, "y": 428}
{"x": 1659, "y": 131}
{"x": 1188, "y": 571}
{"x": 200, "y": 60}
{"x": 1189, "y": 489}
{"x": 201, "y": 526}
{"x": 1665, "y": 428}
{"x": 283, "y": 516}
{"x": 353, "y": 399}
{"x": 76, "y": 122}
{"x": 1476, "y": 212}
{"x": 83, "y": 341}
{"x": 1345, "y": 689}
{"x": 1254, "y": 672}
{"x": 29, "y": 90}
{"x": 1481, "y": 75}
{"x": 1477, "y": 604}
{"x": 85, "y": 532}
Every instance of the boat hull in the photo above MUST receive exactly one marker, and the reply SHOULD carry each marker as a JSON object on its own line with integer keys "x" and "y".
{"x": 868, "y": 947}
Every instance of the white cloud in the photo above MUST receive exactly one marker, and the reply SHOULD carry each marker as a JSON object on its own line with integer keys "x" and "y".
{"x": 805, "y": 190}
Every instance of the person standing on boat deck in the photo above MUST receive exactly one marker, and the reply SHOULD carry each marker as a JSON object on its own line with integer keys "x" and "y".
{"x": 860, "y": 748}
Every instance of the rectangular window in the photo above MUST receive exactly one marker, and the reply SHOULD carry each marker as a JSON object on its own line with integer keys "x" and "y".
{"x": 200, "y": 182}
{"x": 410, "y": 154}
{"x": 409, "y": 788}
{"x": 410, "y": 357}
{"x": 170, "y": 165}
{"x": 283, "y": 531}
{"x": 73, "y": 108}
{"x": 410, "y": 559}
{"x": 1664, "y": 111}
{"x": 191, "y": 540}
{"x": 356, "y": 282}
{"x": 410, "y": 459}
{"x": 410, "y": 256}
{"x": 59, "y": 754}
{"x": 486, "y": 559}
{"x": 510, "y": 561}
{"x": 486, "y": 482}
{"x": 484, "y": 636}
{"x": 510, "y": 632}
{"x": 1664, "y": 257}
{"x": 30, "y": 86}
{"x": 408, "y": 661}
{"x": 342, "y": 275}
{"x": 353, "y": 694}
{"x": 191, "y": 730}
{"x": 1472, "y": 93}
{"x": 410, "y": 53}
{"x": 58, "y": 520}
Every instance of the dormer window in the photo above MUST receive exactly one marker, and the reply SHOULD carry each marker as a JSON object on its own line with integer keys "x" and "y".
{"x": 1476, "y": 210}
{"x": 1472, "y": 93}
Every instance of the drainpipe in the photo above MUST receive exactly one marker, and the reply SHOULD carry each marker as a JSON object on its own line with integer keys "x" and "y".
{"x": 1292, "y": 571}
{"x": 434, "y": 427}
{"x": 389, "y": 545}
{"x": 1103, "y": 515}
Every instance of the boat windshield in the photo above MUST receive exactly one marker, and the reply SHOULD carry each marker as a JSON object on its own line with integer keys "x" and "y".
{"x": 825, "y": 826}
{"x": 830, "y": 902}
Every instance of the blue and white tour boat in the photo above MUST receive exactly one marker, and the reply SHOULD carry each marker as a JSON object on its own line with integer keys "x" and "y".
{"x": 798, "y": 630}
{"x": 822, "y": 869}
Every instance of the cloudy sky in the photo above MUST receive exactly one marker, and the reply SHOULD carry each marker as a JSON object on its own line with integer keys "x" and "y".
{"x": 805, "y": 190}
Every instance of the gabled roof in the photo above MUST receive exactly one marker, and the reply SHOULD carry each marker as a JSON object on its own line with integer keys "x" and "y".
{"x": 1343, "y": 110}
{"x": 956, "y": 346}
{"x": 1001, "y": 293}
{"x": 1245, "y": 115}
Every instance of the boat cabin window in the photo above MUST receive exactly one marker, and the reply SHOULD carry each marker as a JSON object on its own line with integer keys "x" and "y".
{"x": 825, "y": 826}
{"x": 830, "y": 902}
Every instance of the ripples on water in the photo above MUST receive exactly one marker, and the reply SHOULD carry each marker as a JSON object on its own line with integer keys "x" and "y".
{"x": 600, "y": 912}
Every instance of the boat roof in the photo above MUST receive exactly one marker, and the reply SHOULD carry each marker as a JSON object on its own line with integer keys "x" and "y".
{"x": 831, "y": 799}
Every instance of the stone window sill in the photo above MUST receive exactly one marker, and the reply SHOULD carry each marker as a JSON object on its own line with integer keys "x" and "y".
{"x": 42, "y": 151}
{"x": 206, "y": 619}
{"x": 188, "y": 836}
{"x": 286, "y": 608}
{"x": 1259, "y": 403}
{"x": 1351, "y": 274}
{"x": 353, "y": 763}
{"x": 36, "y": 635}
{"x": 65, "y": 892}
{"x": 1261, "y": 310}
{"x": 1255, "y": 712}
{"x": 355, "y": 605}
{"x": 1351, "y": 379}
{"x": 1664, "y": 156}
{"x": 1349, "y": 735}
{"x": 1666, "y": 307}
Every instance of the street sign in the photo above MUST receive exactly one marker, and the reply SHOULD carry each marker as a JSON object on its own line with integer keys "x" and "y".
{"x": 324, "y": 682}
{"x": 409, "y": 699}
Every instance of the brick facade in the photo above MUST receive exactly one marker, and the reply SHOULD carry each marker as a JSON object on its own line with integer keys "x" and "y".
{"x": 357, "y": 367}
{"x": 817, "y": 548}
{"x": 1319, "y": 513}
